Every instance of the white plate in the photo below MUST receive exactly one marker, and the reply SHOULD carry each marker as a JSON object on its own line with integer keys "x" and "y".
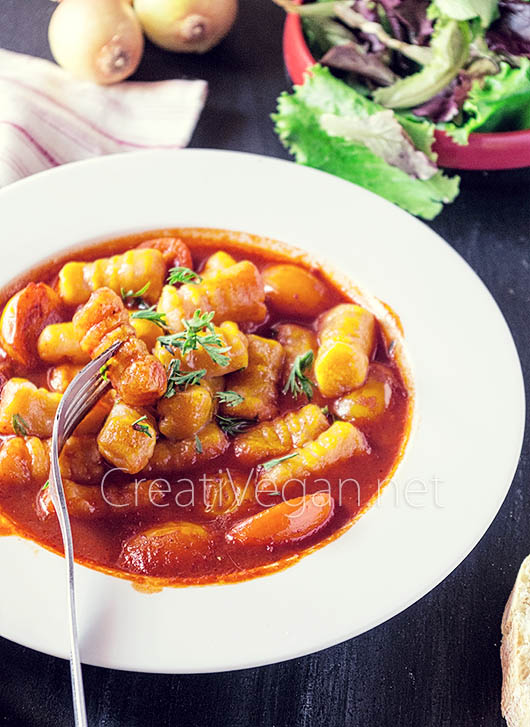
{"x": 470, "y": 404}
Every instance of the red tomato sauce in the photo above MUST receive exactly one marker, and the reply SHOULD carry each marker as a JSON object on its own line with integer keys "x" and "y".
{"x": 353, "y": 484}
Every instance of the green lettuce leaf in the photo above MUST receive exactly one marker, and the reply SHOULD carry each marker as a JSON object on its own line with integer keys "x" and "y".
{"x": 450, "y": 50}
{"x": 385, "y": 137}
{"x": 298, "y": 123}
{"x": 486, "y": 10}
{"x": 496, "y": 103}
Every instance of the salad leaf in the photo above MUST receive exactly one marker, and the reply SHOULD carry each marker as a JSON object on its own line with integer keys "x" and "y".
{"x": 322, "y": 34}
{"x": 450, "y": 50}
{"x": 368, "y": 65}
{"x": 382, "y": 133}
{"x": 343, "y": 10}
{"x": 497, "y": 103}
{"x": 446, "y": 104}
{"x": 511, "y": 33}
{"x": 298, "y": 123}
{"x": 353, "y": 19}
{"x": 408, "y": 19}
{"x": 486, "y": 10}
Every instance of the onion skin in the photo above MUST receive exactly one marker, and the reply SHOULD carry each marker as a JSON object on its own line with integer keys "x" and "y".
{"x": 96, "y": 40}
{"x": 186, "y": 26}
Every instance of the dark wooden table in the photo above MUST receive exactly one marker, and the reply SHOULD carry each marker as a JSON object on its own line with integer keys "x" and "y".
{"x": 436, "y": 664}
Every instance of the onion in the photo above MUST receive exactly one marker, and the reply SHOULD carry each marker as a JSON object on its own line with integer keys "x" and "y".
{"x": 97, "y": 40}
{"x": 186, "y": 26}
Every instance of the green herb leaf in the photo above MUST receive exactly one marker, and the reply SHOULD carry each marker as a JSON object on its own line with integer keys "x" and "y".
{"x": 214, "y": 349}
{"x": 198, "y": 445}
{"x": 230, "y": 398}
{"x": 325, "y": 410}
{"x": 150, "y": 314}
{"x": 103, "y": 371}
{"x": 20, "y": 426}
{"x": 45, "y": 485}
{"x": 178, "y": 379}
{"x": 298, "y": 383}
{"x": 130, "y": 296}
{"x": 273, "y": 462}
{"x": 139, "y": 427}
{"x": 233, "y": 425}
{"x": 183, "y": 275}
{"x": 198, "y": 331}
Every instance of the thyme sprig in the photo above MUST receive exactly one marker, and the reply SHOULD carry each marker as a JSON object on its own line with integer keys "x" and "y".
{"x": 183, "y": 275}
{"x": 151, "y": 314}
{"x": 274, "y": 462}
{"x": 20, "y": 426}
{"x": 131, "y": 297}
{"x": 233, "y": 425}
{"x": 298, "y": 383}
{"x": 177, "y": 379}
{"x": 230, "y": 398}
{"x": 198, "y": 332}
{"x": 139, "y": 427}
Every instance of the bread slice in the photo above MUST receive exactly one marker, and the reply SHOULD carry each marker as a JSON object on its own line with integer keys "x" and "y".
{"x": 515, "y": 652}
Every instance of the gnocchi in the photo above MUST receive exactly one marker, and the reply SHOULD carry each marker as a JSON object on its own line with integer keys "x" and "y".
{"x": 108, "y": 501}
{"x": 279, "y": 436}
{"x": 24, "y": 461}
{"x": 370, "y": 400}
{"x": 132, "y": 271}
{"x": 186, "y": 412}
{"x": 234, "y": 293}
{"x": 241, "y": 376}
{"x": 128, "y": 438}
{"x": 138, "y": 377}
{"x": 341, "y": 441}
{"x": 59, "y": 342}
{"x": 176, "y": 457}
{"x": 26, "y": 409}
{"x": 347, "y": 337}
{"x": 296, "y": 341}
{"x": 257, "y": 384}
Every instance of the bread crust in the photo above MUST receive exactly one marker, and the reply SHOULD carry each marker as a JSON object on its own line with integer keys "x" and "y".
{"x": 515, "y": 652}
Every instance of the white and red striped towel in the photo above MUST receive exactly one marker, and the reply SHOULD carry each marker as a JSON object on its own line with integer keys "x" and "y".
{"x": 48, "y": 118}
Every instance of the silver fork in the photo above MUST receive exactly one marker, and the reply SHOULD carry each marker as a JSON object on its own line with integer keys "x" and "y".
{"x": 84, "y": 391}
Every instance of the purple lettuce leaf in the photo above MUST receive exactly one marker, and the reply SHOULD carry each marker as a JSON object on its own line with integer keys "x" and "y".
{"x": 408, "y": 19}
{"x": 511, "y": 32}
{"x": 446, "y": 104}
{"x": 350, "y": 58}
{"x": 367, "y": 10}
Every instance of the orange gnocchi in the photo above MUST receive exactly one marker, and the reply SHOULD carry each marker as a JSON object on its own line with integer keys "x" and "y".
{"x": 246, "y": 388}
{"x": 347, "y": 337}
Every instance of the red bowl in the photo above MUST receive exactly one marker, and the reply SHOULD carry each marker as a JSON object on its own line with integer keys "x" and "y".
{"x": 503, "y": 150}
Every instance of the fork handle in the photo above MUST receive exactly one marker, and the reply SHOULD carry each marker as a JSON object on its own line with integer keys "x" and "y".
{"x": 84, "y": 391}
{"x": 78, "y": 693}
